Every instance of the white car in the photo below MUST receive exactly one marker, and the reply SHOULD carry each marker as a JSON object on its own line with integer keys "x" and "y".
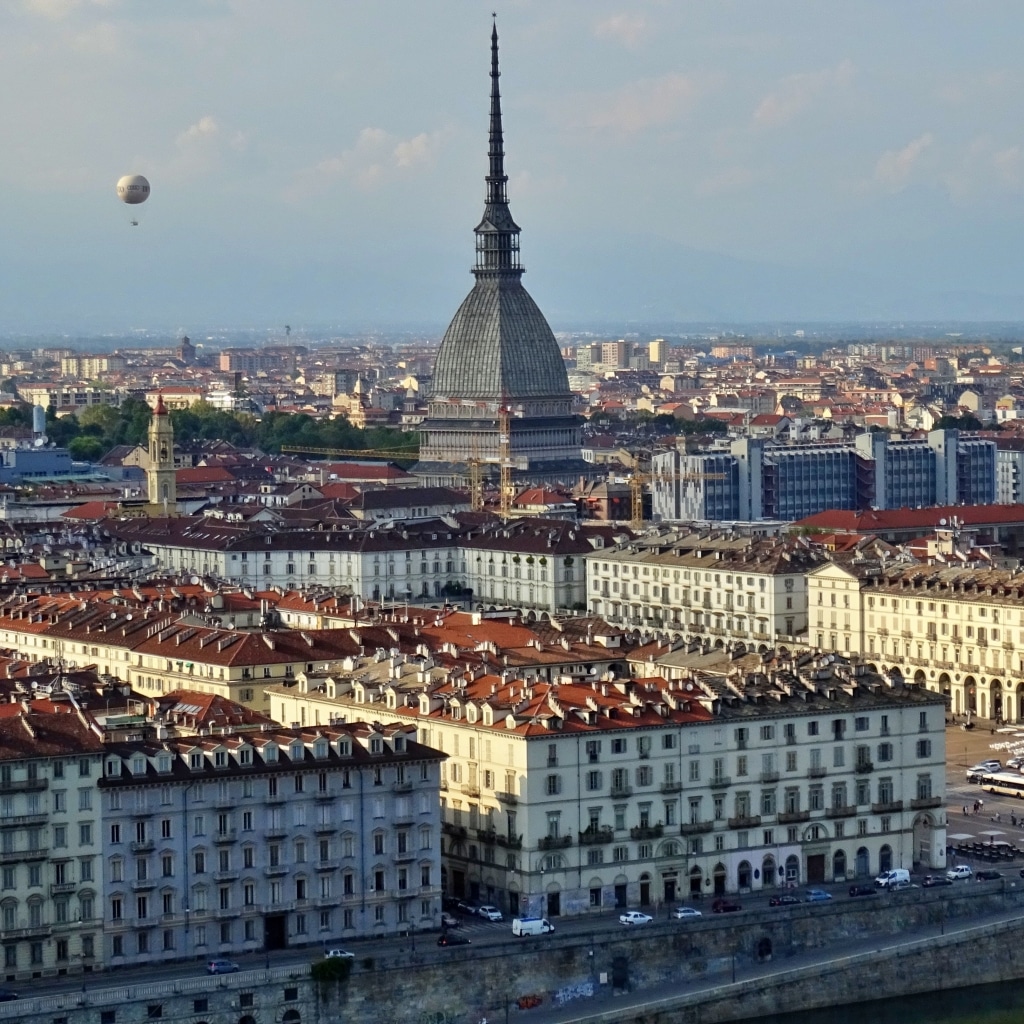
{"x": 681, "y": 913}
{"x": 490, "y": 913}
{"x": 635, "y": 917}
{"x": 339, "y": 954}
{"x": 978, "y": 771}
{"x": 960, "y": 871}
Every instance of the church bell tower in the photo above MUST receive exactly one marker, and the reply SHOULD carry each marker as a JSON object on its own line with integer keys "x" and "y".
{"x": 163, "y": 491}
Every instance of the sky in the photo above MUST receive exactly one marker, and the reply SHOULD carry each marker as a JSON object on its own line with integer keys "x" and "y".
{"x": 320, "y": 163}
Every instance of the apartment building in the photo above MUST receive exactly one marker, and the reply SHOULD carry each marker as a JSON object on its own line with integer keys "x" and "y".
{"x": 562, "y": 797}
{"x": 956, "y": 631}
{"x": 51, "y": 845}
{"x": 712, "y": 584}
{"x": 761, "y": 479}
{"x": 224, "y": 845}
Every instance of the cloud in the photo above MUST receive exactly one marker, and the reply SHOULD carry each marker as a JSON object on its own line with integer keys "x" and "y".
{"x": 797, "y": 92}
{"x": 895, "y": 166}
{"x": 56, "y": 10}
{"x": 375, "y": 157}
{"x": 628, "y": 29}
{"x": 639, "y": 105}
{"x": 205, "y": 128}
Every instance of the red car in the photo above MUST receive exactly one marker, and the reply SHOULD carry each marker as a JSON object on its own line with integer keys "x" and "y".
{"x": 783, "y": 901}
{"x": 725, "y": 906}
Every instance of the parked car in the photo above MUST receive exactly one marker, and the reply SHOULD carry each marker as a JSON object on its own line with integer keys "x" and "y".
{"x": 987, "y": 875}
{"x": 681, "y": 913}
{"x": 960, "y": 871}
{"x": 1015, "y": 762}
{"x": 221, "y": 966}
{"x": 452, "y": 940}
{"x": 635, "y": 917}
{"x": 891, "y": 879}
{"x": 863, "y": 890}
{"x": 466, "y": 907}
{"x": 930, "y": 881}
{"x": 817, "y": 896}
{"x": 489, "y": 913}
{"x": 339, "y": 954}
{"x": 786, "y": 900}
{"x": 725, "y": 906}
{"x": 449, "y": 920}
{"x": 6, "y": 995}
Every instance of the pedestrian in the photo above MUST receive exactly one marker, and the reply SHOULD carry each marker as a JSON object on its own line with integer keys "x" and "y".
{"x": 965, "y": 810}
{"x": 981, "y": 805}
{"x": 1013, "y": 818}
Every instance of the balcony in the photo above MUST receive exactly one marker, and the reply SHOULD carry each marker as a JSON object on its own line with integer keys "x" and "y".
{"x": 143, "y": 884}
{"x": 719, "y": 781}
{"x": 504, "y": 797}
{"x": 327, "y": 865}
{"x": 747, "y": 821}
{"x": 596, "y": 836}
{"x": 402, "y": 787}
{"x": 470, "y": 789}
{"x": 406, "y": 857}
{"x": 919, "y": 662}
{"x": 457, "y": 831}
{"x": 554, "y": 842}
{"x": 863, "y": 767}
{"x": 328, "y": 901}
{"x": 229, "y": 835}
{"x": 925, "y": 802}
{"x": 487, "y": 835}
{"x": 769, "y": 776}
{"x": 62, "y": 888}
{"x": 24, "y": 785}
{"x": 276, "y": 870}
{"x": 889, "y": 807}
{"x": 229, "y": 875}
{"x": 621, "y": 791}
{"x": 512, "y": 842}
{"x": 817, "y": 772}
{"x": 324, "y": 798}
{"x": 227, "y": 913}
{"x": 647, "y": 832}
{"x": 842, "y": 811}
{"x": 276, "y": 832}
{"x": 142, "y": 846}
{"x": 31, "y": 931}
{"x": 793, "y": 817}
{"x": 695, "y": 828}
{"x": 324, "y": 828}
{"x": 23, "y": 820}
{"x": 671, "y": 787}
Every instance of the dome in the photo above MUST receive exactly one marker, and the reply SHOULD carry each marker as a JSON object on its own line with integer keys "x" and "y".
{"x": 499, "y": 345}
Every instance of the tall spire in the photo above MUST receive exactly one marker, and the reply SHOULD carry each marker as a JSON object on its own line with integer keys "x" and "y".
{"x": 497, "y": 234}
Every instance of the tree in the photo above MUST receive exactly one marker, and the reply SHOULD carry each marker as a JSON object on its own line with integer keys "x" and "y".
{"x": 965, "y": 422}
{"x": 86, "y": 449}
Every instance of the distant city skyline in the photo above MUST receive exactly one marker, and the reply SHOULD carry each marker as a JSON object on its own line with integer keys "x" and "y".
{"x": 321, "y": 162}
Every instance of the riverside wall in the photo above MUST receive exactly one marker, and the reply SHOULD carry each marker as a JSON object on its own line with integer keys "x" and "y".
{"x": 570, "y": 977}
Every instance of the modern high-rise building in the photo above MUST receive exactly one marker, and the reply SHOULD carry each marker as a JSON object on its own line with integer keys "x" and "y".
{"x": 759, "y": 479}
{"x": 498, "y": 359}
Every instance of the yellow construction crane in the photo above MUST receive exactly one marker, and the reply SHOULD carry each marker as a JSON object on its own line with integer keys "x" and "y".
{"x": 505, "y": 461}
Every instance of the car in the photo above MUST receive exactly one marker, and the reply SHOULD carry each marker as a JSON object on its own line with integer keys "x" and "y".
{"x": 1015, "y": 762}
{"x": 635, "y": 917}
{"x": 817, "y": 896}
{"x": 977, "y": 771}
{"x": 930, "y": 881}
{"x": 988, "y": 875}
{"x": 221, "y": 966}
{"x": 725, "y": 906}
{"x": 6, "y": 995}
{"x": 449, "y": 920}
{"x": 339, "y": 954}
{"x": 453, "y": 940}
{"x": 490, "y": 913}
{"x": 466, "y": 907}
{"x": 786, "y": 900}
{"x": 863, "y": 890}
{"x": 960, "y": 871}
{"x": 681, "y": 913}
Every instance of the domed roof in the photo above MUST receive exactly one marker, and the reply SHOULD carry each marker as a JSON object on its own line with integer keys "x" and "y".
{"x": 499, "y": 345}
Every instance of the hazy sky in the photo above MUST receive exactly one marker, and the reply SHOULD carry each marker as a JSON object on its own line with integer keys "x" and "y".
{"x": 321, "y": 161}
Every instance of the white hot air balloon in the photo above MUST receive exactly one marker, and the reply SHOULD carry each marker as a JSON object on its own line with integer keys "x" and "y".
{"x": 133, "y": 189}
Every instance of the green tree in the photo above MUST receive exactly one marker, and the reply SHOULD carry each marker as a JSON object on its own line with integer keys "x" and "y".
{"x": 86, "y": 449}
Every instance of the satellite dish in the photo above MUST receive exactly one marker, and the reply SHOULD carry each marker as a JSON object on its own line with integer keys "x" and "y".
{"x": 942, "y": 522}
{"x": 194, "y": 580}
{"x": 129, "y": 616}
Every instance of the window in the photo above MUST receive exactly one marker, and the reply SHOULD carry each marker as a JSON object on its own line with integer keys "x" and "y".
{"x": 924, "y": 748}
{"x": 884, "y": 751}
{"x": 553, "y": 785}
{"x": 594, "y": 781}
{"x": 861, "y": 723}
{"x": 924, "y": 787}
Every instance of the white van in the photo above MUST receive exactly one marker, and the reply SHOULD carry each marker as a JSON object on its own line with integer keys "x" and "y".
{"x": 531, "y": 926}
{"x": 891, "y": 879}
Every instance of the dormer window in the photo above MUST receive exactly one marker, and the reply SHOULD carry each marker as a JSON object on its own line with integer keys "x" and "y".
{"x": 320, "y": 749}
{"x": 344, "y": 748}
{"x": 297, "y": 751}
{"x": 113, "y": 767}
{"x": 270, "y": 754}
{"x": 220, "y": 758}
{"x": 245, "y": 756}
{"x": 195, "y": 760}
{"x": 138, "y": 765}
{"x": 163, "y": 763}
{"x": 471, "y": 713}
{"x": 399, "y": 744}
{"x": 376, "y": 746}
